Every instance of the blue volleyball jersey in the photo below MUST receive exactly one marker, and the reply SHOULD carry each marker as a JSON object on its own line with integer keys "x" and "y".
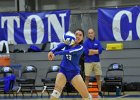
{"x": 92, "y": 44}
{"x": 71, "y": 56}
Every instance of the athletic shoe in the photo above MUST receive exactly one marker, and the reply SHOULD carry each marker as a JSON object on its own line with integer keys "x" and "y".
{"x": 100, "y": 95}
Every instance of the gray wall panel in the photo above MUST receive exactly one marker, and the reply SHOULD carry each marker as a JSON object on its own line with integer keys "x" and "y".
{"x": 129, "y": 58}
{"x": 127, "y": 62}
{"x": 34, "y": 56}
{"x": 132, "y": 53}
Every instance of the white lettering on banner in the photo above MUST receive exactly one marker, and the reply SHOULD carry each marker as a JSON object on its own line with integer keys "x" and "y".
{"x": 10, "y": 26}
{"x": 138, "y": 26}
{"x": 53, "y": 20}
{"x": 116, "y": 25}
{"x": 27, "y": 29}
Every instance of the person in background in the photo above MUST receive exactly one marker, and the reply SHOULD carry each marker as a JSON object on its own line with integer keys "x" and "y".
{"x": 92, "y": 50}
{"x": 69, "y": 67}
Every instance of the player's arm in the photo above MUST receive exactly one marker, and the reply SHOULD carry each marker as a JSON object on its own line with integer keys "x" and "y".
{"x": 57, "y": 48}
{"x": 51, "y": 55}
{"x": 74, "y": 50}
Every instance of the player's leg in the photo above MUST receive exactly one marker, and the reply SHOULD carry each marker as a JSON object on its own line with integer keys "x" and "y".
{"x": 80, "y": 86}
{"x": 59, "y": 85}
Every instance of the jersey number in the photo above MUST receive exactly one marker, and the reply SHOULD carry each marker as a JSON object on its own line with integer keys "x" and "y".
{"x": 68, "y": 57}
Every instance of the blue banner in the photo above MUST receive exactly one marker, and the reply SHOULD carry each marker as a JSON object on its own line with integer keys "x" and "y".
{"x": 34, "y": 27}
{"x": 119, "y": 24}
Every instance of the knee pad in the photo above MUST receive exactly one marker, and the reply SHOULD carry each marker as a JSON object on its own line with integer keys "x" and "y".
{"x": 56, "y": 94}
{"x": 89, "y": 97}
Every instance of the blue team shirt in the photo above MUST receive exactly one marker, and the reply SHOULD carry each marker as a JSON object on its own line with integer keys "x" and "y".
{"x": 92, "y": 44}
{"x": 71, "y": 56}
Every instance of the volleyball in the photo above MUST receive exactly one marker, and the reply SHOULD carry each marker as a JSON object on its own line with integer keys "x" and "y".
{"x": 69, "y": 38}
